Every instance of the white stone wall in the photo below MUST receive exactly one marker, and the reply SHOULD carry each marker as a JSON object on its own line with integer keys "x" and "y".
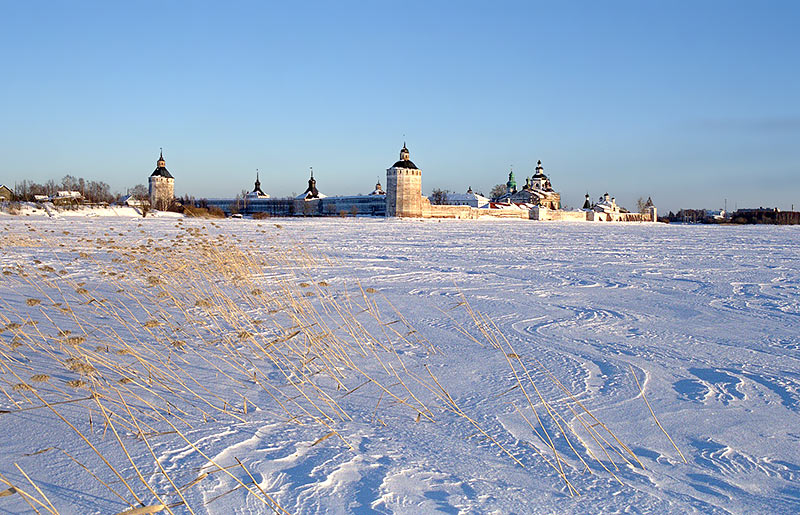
{"x": 162, "y": 192}
{"x": 404, "y": 192}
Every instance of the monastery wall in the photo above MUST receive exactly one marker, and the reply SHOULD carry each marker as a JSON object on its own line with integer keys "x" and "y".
{"x": 459, "y": 212}
{"x": 594, "y": 216}
{"x": 469, "y": 212}
{"x": 522, "y": 214}
{"x": 543, "y": 213}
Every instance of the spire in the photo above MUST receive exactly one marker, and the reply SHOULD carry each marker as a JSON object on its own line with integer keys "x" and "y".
{"x": 257, "y": 192}
{"x": 161, "y": 167}
{"x": 311, "y": 191}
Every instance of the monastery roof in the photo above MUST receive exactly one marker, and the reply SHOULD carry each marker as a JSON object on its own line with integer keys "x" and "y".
{"x": 257, "y": 194}
{"x": 305, "y": 196}
{"x": 465, "y": 196}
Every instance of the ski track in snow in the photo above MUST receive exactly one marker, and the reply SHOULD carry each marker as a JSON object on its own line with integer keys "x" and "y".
{"x": 707, "y": 318}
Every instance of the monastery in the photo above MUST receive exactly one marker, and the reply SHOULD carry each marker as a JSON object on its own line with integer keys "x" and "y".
{"x": 403, "y": 198}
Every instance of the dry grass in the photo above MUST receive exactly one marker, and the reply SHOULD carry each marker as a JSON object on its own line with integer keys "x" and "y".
{"x": 246, "y": 318}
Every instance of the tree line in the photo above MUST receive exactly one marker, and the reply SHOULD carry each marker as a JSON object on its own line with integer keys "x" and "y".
{"x": 92, "y": 191}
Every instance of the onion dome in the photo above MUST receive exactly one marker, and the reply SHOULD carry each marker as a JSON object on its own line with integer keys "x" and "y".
{"x": 512, "y": 183}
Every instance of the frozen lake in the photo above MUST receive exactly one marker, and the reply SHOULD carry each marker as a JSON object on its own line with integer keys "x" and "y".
{"x": 398, "y": 366}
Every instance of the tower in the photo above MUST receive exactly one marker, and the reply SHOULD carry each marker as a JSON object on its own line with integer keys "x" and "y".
{"x": 162, "y": 185}
{"x": 511, "y": 185}
{"x": 311, "y": 192}
{"x": 257, "y": 192}
{"x": 539, "y": 179}
{"x": 404, "y": 187}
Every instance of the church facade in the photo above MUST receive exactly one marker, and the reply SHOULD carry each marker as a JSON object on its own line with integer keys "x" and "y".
{"x": 538, "y": 191}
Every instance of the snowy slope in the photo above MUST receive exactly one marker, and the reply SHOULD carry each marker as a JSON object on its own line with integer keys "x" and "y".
{"x": 498, "y": 314}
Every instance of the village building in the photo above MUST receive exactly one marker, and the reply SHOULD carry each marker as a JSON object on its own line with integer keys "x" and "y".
{"x": 6, "y": 194}
{"x": 162, "y": 185}
{"x": 132, "y": 201}
{"x": 67, "y": 198}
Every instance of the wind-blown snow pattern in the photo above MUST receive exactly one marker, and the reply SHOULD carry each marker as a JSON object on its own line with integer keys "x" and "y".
{"x": 706, "y": 317}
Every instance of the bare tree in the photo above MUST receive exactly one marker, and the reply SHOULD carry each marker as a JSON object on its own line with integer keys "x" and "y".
{"x": 439, "y": 197}
{"x": 139, "y": 192}
{"x": 70, "y": 183}
{"x": 498, "y": 190}
{"x": 49, "y": 189}
{"x": 642, "y": 205}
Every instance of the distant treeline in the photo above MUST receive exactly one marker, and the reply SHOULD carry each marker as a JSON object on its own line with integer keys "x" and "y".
{"x": 742, "y": 216}
{"x": 766, "y": 216}
{"x": 92, "y": 191}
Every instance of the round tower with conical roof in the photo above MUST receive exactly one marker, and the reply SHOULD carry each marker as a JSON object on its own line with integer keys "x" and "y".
{"x": 162, "y": 185}
{"x": 404, "y": 187}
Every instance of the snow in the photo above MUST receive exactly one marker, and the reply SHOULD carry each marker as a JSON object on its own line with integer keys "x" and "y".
{"x": 48, "y": 210}
{"x": 706, "y": 317}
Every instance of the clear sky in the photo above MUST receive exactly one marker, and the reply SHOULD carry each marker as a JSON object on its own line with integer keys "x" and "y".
{"x": 689, "y": 102}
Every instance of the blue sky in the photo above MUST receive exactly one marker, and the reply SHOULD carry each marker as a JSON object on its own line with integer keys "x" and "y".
{"x": 689, "y": 102}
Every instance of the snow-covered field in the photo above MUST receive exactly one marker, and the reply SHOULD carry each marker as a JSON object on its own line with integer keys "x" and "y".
{"x": 395, "y": 366}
